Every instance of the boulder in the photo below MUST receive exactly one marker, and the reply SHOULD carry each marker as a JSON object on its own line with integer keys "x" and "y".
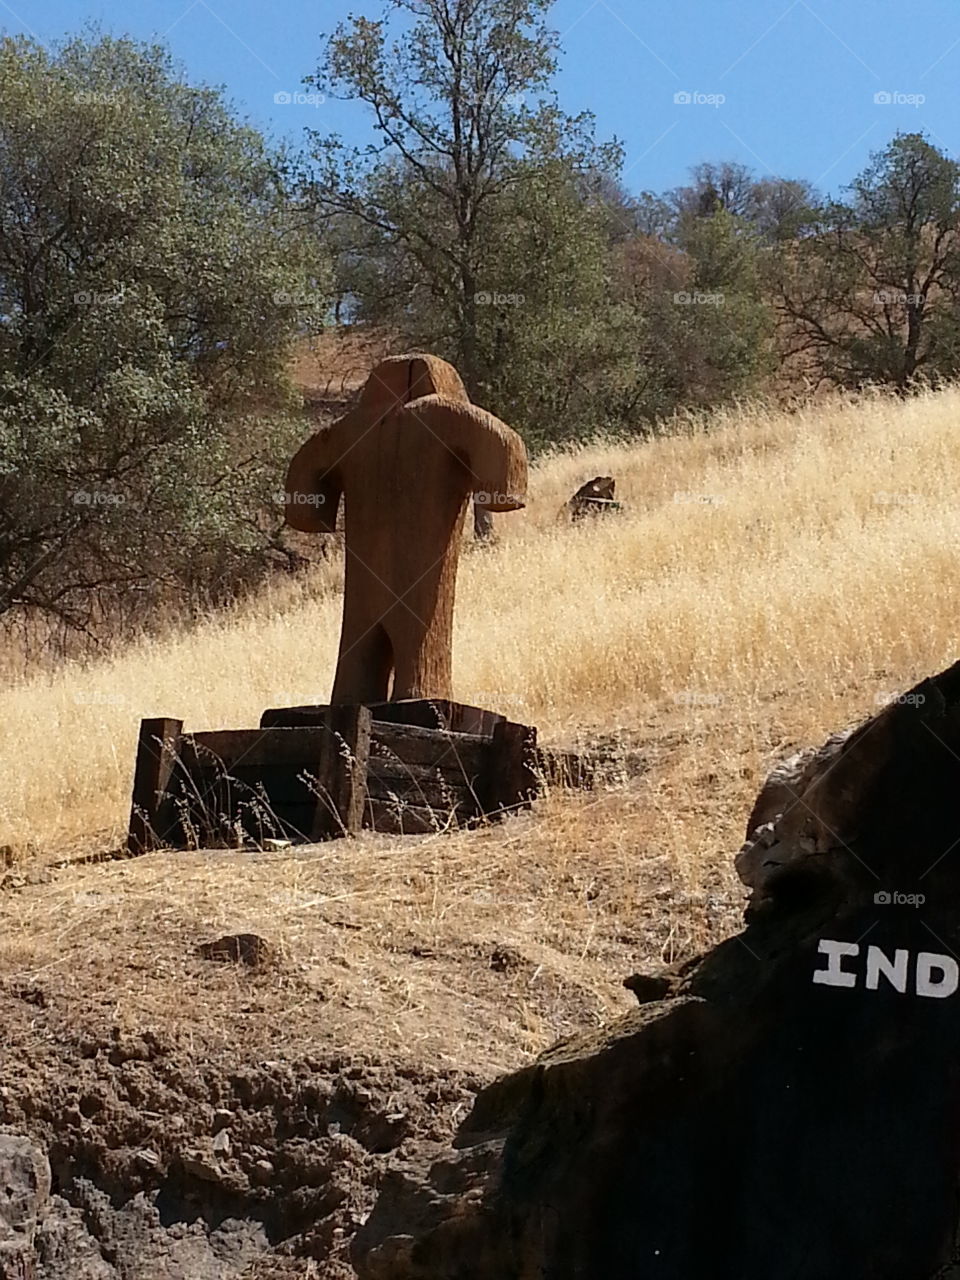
{"x": 24, "y": 1192}
{"x": 790, "y": 1107}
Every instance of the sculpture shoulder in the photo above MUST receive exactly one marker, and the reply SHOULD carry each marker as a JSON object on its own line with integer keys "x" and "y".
{"x": 456, "y": 417}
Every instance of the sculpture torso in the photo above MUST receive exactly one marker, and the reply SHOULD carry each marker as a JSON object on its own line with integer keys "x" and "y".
{"x": 405, "y": 468}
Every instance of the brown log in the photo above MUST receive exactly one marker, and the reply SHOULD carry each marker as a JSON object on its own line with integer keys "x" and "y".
{"x": 438, "y": 713}
{"x": 152, "y": 812}
{"x": 270, "y": 784}
{"x": 425, "y": 787}
{"x": 414, "y": 745}
{"x": 425, "y": 713}
{"x": 255, "y": 748}
{"x": 344, "y": 753}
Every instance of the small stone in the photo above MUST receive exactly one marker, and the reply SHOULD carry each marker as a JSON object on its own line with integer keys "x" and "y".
{"x": 238, "y": 948}
{"x": 199, "y": 1165}
{"x": 221, "y": 1143}
{"x": 222, "y": 1119}
{"x": 648, "y": 987}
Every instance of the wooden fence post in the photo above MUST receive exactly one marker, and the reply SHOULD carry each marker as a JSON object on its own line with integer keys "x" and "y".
{"x": 512, "y": 780}
{"x": 344, "y": 755}
{"x": 151, "y": 814}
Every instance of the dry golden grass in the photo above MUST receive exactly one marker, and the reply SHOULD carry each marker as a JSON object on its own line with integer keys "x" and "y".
{"x": 813, "y": 555}
{"x": 772, "y": 578}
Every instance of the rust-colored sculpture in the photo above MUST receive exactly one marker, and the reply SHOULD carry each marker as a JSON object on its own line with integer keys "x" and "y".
{"x": 406, "y": 459}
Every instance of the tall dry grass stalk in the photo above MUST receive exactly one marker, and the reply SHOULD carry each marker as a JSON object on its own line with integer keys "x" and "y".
{"x": 771, "y": 577}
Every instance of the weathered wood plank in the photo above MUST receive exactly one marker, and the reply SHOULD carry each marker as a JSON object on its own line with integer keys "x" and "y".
{"x": 344, "y": 753}
{"x": 152, "y": 813}
{"x": 391, "y": 767}
{"x": 428, "y": 713}
{"x": 438, "y": 713}
{"x": 415, "y": 745}
{"x": 429, "y": 789}
{"x": 276, "y": 784}
{"x": 255, "y": 748}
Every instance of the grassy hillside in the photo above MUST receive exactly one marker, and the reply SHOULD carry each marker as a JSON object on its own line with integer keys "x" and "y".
{"x": 771, "y": 579}
{"x": 773, "y": 573}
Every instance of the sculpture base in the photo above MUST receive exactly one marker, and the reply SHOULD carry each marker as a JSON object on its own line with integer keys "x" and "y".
{"x": 314, "y": 773}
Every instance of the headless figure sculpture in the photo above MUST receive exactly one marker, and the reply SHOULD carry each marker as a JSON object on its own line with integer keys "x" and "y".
{"x": 406, "y": 460}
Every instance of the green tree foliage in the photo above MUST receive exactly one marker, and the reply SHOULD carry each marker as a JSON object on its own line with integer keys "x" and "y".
{"x": 702, "y": 328}
{"x": 153, "y": 273}
{"x": 474, "y": 227}
{"x": 490, "y": 227}
{"x": 870, "y": 293}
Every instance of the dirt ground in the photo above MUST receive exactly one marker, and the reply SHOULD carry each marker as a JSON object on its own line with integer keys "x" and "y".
{"x": 216, "y": 1119}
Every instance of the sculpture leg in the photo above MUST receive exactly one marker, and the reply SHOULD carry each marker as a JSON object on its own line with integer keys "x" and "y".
{"x": 423, "y": 661}
{"x": 364, "y": 666}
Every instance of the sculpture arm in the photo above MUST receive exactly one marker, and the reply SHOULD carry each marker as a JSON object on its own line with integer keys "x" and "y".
{"x": 315, "y": 483}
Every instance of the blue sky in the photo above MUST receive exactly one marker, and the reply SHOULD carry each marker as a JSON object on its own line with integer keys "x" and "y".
{"x": 786, "y": 86}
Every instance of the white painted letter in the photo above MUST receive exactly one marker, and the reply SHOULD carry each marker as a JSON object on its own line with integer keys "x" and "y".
{"x": 894, "y": 971}
{"x": 833, "y": 975}
{"x": 949, "y": 975}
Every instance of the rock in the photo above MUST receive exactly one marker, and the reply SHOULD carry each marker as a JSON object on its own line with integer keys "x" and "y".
{"x": 239, "y": 948}
{"x": 596, "y": 497}
{"x": 262, "y": 1172}
{"x": 221, "y": 1143}
{"x": 647, "y": 987}
{"x": 24, "y": 1191}
{"x": 24, "y": 1185}
{"x": 200, "y": 1164}
{"x": 792, "y": 1110}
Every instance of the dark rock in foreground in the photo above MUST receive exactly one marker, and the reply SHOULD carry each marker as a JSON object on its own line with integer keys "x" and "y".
{"x": 791, "y": 1109}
